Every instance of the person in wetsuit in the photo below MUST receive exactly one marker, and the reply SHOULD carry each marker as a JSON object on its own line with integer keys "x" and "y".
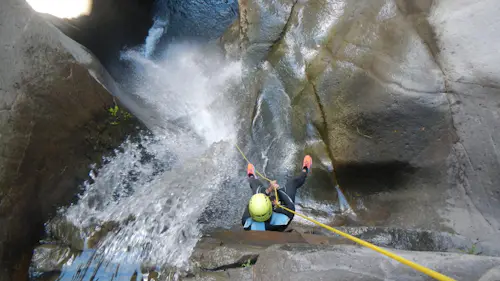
{"x": 260, "y": 214}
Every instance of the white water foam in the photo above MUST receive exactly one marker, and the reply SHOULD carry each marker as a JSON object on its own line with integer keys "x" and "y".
{"x": 154, "y": 35}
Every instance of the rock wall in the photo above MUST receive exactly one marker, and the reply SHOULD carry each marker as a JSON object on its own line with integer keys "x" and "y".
{"x": 354, "y": 263}
{"x": 466, "y": 37}
{"x": 198, "y": 19}
{"x": 54, "y": 123}
{"x": 247, "y": 255}
{"x": 399, "y": 97}
{"x": 291, "y": 256}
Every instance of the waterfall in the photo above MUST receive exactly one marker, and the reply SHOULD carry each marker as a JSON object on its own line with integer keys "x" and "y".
{"x": 157, "y": 187}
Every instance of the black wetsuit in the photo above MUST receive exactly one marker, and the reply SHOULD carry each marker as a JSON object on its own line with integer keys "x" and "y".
{"x": 287, "y": 199}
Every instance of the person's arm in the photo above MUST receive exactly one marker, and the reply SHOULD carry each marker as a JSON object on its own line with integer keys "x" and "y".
{"x": 283, "y": 197}
{"x": 245, "y": 216}
{"x": 287, "y": 202}
{"x": 272, "y": 185}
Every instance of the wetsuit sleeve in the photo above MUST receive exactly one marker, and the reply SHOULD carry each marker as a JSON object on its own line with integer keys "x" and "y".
{"x": 246, "y": 215}
{"x": 256, "y": 185}
{"x": 286, "y": 201}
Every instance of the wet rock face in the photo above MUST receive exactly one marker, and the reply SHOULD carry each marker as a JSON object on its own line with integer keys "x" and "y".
{"x": 362, "y": 74}
{"x": 50, "y": 258}
{"x": 199, "y": 18}
{"x": 261, "y": 24}
{"x": 383, "y": 92}
{"x": 54, "y": 123}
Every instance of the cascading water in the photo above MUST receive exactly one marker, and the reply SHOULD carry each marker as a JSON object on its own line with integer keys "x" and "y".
{"x": 156, "y": 188}
{"x": 200, "y": 19}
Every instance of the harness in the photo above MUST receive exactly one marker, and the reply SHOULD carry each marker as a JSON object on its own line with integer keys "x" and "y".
{"x": 276, "y": 219}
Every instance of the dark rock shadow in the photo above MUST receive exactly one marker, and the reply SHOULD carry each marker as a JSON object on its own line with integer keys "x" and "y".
{"x": 372, "y": 178}
{"x": 319, "y": 186}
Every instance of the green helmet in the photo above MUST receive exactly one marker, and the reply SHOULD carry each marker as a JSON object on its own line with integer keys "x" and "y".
{"x": 260, "y": 207}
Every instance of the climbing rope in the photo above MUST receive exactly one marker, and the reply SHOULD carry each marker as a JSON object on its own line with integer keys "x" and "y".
{"x": 434, "y": 274}
{"x": 248, "y": 161}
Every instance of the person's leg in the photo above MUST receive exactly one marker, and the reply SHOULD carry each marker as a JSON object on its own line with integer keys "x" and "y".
{"x": 294, "y": 184}
{"x": 255, "y": 184}
{"x": 298, "y": 181}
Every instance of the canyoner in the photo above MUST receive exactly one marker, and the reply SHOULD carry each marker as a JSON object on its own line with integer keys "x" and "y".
{"x": 266, "y": 212}
{"x": 259, "y": 213}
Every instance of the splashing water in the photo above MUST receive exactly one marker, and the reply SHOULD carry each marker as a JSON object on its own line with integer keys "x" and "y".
{"x": 154, "y": 35}
{"x": 200, "y": 19}
{"x": 157, "y": 188}
{"x": 188, "y": 88}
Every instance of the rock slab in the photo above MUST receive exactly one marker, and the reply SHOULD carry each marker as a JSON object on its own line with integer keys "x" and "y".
{"x": 53, "y": 124}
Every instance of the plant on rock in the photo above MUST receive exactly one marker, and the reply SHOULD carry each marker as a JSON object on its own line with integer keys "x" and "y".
{"x": 118, "y": 114}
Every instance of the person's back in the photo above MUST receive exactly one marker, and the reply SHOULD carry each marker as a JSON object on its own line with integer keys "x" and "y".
{"x": 259, "y": 214}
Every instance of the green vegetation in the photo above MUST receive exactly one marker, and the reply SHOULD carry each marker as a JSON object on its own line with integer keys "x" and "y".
{"x": 117, "y": 114}
{"x": 471, "y": 251}
{"x": 247, "y": 264}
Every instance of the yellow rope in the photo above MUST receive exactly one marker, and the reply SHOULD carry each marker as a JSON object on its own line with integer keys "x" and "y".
{"x": 434, "y": 274}
{"x": 248, "y": 161}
